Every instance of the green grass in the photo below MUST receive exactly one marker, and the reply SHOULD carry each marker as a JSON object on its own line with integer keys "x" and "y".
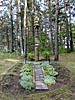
{"x": 5, "y": 65}
{"x": 9, "y": 55}
{"x": 54, "y": 95}
{"x": 66, "y": 60}
{"x": 7, "y": 61}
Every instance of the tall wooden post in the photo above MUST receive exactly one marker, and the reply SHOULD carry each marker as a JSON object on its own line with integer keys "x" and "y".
{"x": 36, "y": 44}
{"x": 36, "y": 24}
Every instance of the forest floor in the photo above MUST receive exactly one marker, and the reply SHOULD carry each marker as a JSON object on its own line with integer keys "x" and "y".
{"x": 63, "y": 90}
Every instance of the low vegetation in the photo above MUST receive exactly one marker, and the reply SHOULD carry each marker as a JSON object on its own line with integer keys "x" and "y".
{"x": 26, "y": 74}
{"x": 63, "y": 93}
{"x": 50, "y": 73}
{"x": 9, "y": 54}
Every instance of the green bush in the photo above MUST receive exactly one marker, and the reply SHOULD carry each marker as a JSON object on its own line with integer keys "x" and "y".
{"x": 49, "y": 73}
{"x": 30, "y": 56}
{"x": 27, "y": 85}
{"x": 26, "y": 67}
{"x": 26, "y": 77}
{"x": 46, "y": 53}
{"x": 49, "y": 70}
{"x": 50, "y": 80}
{"x": 53, "y": 73}
{"x": 45, "y": 64}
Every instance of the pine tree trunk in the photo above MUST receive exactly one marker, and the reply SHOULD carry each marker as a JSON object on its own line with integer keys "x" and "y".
{"x": 17, "y": 26}
{"x": 56, "y": 56}
{"x": 7, "y": 38}
{"x": 25, "y": 34}
{"x": 12, "y": 46}
{"x": 67, "y": 29}
{"x": 45, "y": 16}
{"x": 50, "y": 26}
{"x": 71, "y": 40}
{"x": 20, "y": 34}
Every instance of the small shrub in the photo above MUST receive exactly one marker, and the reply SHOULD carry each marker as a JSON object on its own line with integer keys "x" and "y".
{"x": 26, "y": 77}
{"x": 53, "y": 73}
{"x": 49, "y": 73}
{"x": 50, "y": 80}
{"x": 30, "y": 56}
{"x": 27, "y": 85}
{"x": 46, "y": 54}
{"x": 27, "y": 69}
{"x": 45, "y": 64}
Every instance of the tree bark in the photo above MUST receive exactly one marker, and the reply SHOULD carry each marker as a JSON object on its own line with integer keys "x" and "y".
{"x": 20, "y": 34}
{"x": 17, "y": 26}
{"x": 71, "y": 39}
{"x": 25, "y": 34}
{"x": 56, "y": 56}
{"x": 12, "y": 34}
{"x": 50, "y": 26}
{"x": 67, "y": 29}
{"x": 45, "y": 17}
